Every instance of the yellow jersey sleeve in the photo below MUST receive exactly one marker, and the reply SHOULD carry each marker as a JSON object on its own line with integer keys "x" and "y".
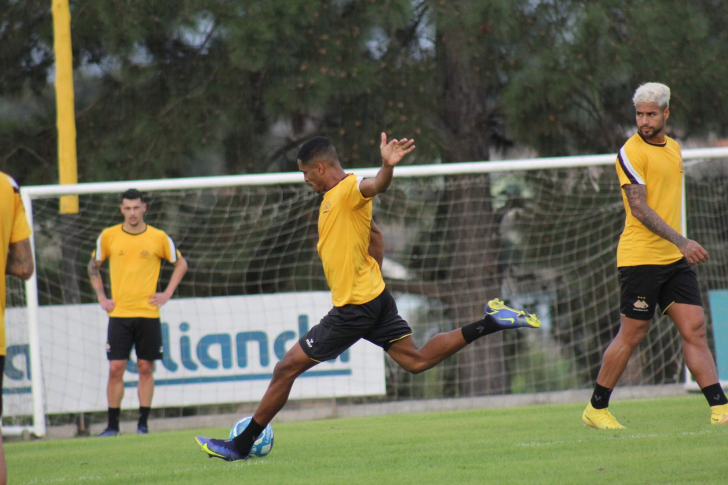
{"x": 169, "y": 250}
{"x": 631, "y": 165}
{"x": 18, "y": 229}
{"x": 353, "y": 196}
{"x": 101, "y": 253}
{"x": 21, "y": 229}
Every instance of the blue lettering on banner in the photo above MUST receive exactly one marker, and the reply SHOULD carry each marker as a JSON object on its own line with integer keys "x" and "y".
{"x": 242, "y": 340}
{"x": 14, "y": 372}
{"x": 202, "y": 350}
{"x": 229, "y": 354}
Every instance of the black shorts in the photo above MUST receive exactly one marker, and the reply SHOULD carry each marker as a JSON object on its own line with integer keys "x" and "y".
{"x": 376, "y": 321}
{"x": 648, "y": 285}
{"x": 145, "y": 334}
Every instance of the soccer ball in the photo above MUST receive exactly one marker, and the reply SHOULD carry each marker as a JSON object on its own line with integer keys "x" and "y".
{"x": 262, "y": 445}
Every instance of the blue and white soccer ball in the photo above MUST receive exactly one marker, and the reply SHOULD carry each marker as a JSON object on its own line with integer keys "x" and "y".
{"x": 262, "y": 445}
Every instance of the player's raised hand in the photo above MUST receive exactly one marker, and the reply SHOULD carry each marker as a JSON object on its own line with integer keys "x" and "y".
{"x": 395, "y": 150}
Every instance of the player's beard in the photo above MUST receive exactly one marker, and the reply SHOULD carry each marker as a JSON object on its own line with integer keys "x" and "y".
{"x": 652, "y": 133}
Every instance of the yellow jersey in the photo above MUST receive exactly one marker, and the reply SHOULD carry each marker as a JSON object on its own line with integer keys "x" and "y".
{"x": 660, "y": 169}
{"x": 344, "y": 228}
{"x": 13, "y": 228}
{"x": 134, "y": 264}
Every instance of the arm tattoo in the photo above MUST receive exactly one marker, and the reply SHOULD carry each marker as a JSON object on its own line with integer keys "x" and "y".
{"x": 93, "y": 269}
{"x": 637, "y": 199}
{"x": 20, "y": 260}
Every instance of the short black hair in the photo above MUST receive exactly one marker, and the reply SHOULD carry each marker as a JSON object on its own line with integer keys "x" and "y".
{"x": 132, "y": 194}
{"x": 317, "y": 147}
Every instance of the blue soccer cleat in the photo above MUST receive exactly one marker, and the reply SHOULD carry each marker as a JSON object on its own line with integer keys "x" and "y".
{"x": 142, "y": 429}
{"x": 223, "y": 449}
{"x": 507, "y": 317}
{"x": 109, "y": 432}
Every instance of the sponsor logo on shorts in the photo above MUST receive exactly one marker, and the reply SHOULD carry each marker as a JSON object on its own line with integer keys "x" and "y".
{"x": 309, "y": 342}
{"x": 641, "y": 305}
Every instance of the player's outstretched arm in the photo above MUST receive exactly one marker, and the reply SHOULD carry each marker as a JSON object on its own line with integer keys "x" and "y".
{"x": 180, "y": 268}
{"x": 637, "y": 199}
{"x": 20, "y": 260}
{"x": 98, "y": 285}
{"x": 392, "y": 153}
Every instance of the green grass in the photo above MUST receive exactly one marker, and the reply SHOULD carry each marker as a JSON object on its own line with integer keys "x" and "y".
{"x": 667, "y": 441}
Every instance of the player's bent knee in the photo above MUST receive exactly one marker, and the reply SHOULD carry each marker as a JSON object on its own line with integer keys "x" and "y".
{"x": 414, "y": 366}
{"x": 291, "y": 367}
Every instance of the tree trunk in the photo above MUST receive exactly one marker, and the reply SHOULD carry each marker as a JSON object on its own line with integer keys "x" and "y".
{"x": 472, "y": 235}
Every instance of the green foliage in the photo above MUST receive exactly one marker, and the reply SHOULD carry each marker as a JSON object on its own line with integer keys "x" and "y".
{"x": 573, "y": 94}
{"x": 174, "y": 88}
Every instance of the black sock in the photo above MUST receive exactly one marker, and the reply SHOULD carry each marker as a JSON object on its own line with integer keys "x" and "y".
{"x": 715, "y": 395}
{"x": 478, "y": 329}
{"x": 143, "y": 415}
{"x": 244, "y": 441}
{"x": 600, "y": 397}
{"x": 114, "y": 418}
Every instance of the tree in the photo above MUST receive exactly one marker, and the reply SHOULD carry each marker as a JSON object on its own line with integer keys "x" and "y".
{"x": 583, "y": 60}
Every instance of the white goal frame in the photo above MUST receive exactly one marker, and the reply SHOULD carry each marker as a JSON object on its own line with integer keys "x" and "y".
{"x": 28, "y": 194}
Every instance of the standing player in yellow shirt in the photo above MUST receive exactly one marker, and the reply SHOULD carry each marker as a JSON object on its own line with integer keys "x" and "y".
{"x": 655, "y": 259}
{"x": 135, "y": 251}
{"x": 363, "y": 308}
{"x": 16, "y": 259}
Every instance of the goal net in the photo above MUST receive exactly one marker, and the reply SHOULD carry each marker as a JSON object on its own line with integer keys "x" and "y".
{"x": 540, "y": 234}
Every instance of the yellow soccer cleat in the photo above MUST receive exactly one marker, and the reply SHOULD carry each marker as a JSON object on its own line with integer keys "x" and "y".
{"x": 599, "y": 418}
{"x": 719, "y": 414}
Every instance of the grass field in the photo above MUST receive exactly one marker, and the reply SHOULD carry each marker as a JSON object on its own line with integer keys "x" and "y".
{"x": 667, "y": 441}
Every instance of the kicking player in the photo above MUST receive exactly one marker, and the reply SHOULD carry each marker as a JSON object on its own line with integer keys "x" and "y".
{"x": 363, "y": 308}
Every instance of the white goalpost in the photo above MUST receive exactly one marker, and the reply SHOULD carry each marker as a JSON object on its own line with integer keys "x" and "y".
{"x": 538, "y": 233}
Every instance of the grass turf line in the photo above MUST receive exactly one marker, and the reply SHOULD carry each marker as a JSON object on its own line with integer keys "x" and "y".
{"x": 667, "y": 441}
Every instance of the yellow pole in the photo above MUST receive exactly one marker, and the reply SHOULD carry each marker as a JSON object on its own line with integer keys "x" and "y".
{"x": 65, "y": 112}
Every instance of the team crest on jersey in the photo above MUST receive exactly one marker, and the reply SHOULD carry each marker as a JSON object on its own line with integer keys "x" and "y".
{"x": 144, "y": 254}
{"x": 327, "y": 207}
{"x": 641, "y": 304}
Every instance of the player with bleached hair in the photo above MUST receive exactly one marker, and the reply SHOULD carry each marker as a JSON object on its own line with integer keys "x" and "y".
{"x": 654, "y": 260}
{"x": 363, "y": 308}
